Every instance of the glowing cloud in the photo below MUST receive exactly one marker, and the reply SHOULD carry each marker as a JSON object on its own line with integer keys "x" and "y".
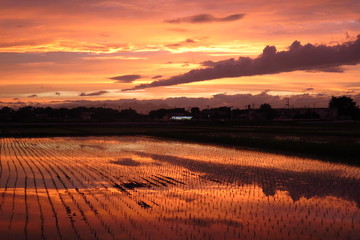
{"x": 126, "y": 78}
{"x": 205, "y": 18}
{"x": 93, "y": 93}
{"x": 298, "y": 57}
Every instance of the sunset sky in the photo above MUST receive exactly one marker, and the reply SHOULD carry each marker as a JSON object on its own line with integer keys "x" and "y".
{"x": 76, "y": 51}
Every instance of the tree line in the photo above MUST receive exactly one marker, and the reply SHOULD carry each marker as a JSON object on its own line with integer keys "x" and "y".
{"x": 344, "y": 106}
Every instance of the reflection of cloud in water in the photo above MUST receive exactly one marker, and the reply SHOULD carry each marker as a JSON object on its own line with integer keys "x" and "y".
{"x": 299, "y": 184}
{"x": 92, "y": 146}
{"x": 129, "y": 162}
{"x": 209, "y": 222}
{"x": 95, "y": 194}
{"x": 126, "y": 162}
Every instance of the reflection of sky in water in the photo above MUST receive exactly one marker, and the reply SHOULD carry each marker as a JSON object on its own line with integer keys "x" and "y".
{"x": 142, "y": 188}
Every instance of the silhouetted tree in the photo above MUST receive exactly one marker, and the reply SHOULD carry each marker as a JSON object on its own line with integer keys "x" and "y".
{"x": 265, "y": 107}
{"x": 195, "y": 112}
{"x": 6, "y": 114}
{"x": 345, "y": 106}
{"x": 128, "y": 114}
{"x": 267, "y": 111}
{"x": 24, "y": 114}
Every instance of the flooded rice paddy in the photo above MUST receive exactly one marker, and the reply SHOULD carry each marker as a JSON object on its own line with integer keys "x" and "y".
{"x": 143, "y": 188}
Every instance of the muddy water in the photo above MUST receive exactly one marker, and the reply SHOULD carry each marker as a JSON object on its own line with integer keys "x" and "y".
{"x": 143, "y": 188}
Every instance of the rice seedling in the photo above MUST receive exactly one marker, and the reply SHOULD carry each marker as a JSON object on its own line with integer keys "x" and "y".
{"x": 143, "y": 188}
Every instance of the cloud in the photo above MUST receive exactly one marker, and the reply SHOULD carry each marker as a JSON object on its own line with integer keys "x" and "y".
{"x": 98, "y": 93}
{"x": 157, "y": 76}
{"x": 308, "y": 89}
{"x": 58, "y": 93}
{"x": 126, "y": 78}
{"x": 298, "y": 57}
{"x": 32, "y": 96}
{"x": 205, "y": 18}
{"x": 330, "y": 69}
{"x": 182, "y": 43}
{"x": 189, "y": 41}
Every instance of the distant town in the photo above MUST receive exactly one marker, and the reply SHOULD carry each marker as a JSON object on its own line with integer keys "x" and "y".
{"x": 340, "y": 108}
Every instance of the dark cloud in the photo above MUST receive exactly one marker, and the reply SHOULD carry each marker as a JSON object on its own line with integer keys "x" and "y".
{"x": 58, "y": 93}
{"x": 189, "y": 40}
{"x": 209, "y": 63}
{"x": 126, "y": 78}
{"x": 98, "y": 93}
{"x": 298, "y": 57}
{"x": 205, "y": 18}
{"x": 157, "y": 76}
{"x": 331, "y": 69}
{"x": 173, "y": 45}
{"x": 336, "y": 69}
{"x": 347, "y": 35}
{"x": 32, "y": 96}
{"x": 308, "y": 89}
{"x": 182, "y": 43}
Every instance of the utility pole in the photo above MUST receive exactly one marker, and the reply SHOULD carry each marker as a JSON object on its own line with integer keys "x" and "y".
{"x": 287, "y": 103}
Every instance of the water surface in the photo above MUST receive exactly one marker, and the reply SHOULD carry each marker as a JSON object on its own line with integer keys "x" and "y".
{"x": 143, "y": 188}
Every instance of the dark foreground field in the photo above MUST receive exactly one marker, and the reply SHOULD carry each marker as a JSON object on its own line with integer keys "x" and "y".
{"x": 328, "y": 141}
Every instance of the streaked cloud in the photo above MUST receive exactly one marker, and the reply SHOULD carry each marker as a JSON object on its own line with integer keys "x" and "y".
{"x": 98, "y": 93}
{"x": 157, "y": 76}
{"x": 182, "y": 43}
{"x": 205, "y": 18}
{"x": 298, "y": 57}
{"x": 113, "y": 58}
{"x": 126, "y": 78}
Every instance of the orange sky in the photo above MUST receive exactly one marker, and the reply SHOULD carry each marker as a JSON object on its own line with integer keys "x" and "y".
{"x": 56, "y": 50}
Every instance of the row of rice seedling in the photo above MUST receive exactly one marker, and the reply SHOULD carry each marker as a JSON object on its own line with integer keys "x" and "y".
{"x": 5, "y": 174}
{"x": 140, "y": 188}
{"x": 53, "y": 203}
{"x": 19, "y": 219}
{"x": 330, "y": 167}
{"x": 130, "y": 206}
{"x": 35, "y": 166}
{"x": 14, "y": 185}
{"x": 25, "y": 169}
{"x": 76, "y": 180}
{"x": 69, "y": 200}
{"x": 107, "y": 177}
{"x": 41, "y": 201}
{"x": 345, "y": 181}
{"x": 75, "y": 176}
